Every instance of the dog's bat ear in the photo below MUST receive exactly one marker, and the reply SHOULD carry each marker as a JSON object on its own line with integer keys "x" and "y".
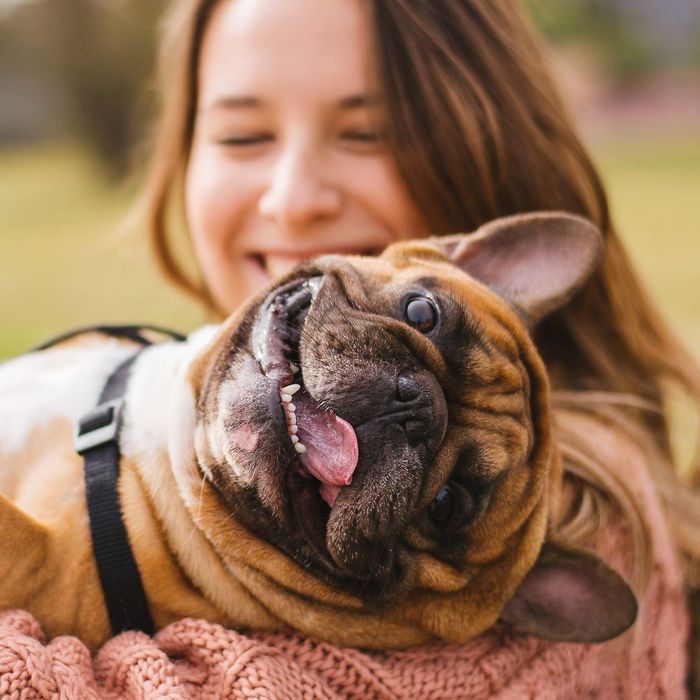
{"x": 571, "y": 595}
{"x": 536, "y": 261}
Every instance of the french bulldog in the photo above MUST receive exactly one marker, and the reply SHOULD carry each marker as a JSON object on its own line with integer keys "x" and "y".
{"x": 362, "y": 453}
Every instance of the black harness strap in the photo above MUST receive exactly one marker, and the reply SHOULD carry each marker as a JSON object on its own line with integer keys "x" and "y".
{"x": 129, "y": 332}
{"x": 98, "y": 442}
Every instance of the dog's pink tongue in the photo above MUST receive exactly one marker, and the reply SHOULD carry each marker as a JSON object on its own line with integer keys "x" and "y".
{"x": 331, "y": 446}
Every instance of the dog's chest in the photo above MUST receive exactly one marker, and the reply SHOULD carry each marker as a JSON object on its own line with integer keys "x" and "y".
{"x": 42, "y": 396}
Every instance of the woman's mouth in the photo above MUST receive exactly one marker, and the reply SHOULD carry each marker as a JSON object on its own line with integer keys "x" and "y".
{"x": 277, "y": 264}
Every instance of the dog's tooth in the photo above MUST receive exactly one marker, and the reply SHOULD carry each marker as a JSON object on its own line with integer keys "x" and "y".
{"x": 294, "y": 439}
{"x": 286, "y": 398}
{"x": 300, "y": 448}
{"x": 294, "y": 368}
{"x": 292, "y": 419}
{"x": 293, "y": 429}
{"x": 290, "y": 407}
{"x": 291, "y": 389}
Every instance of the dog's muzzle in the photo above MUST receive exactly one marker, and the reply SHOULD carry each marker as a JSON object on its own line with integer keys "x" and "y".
{"x": 326, "y": 444}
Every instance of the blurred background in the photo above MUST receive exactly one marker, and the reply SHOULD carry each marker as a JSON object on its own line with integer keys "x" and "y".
{"x": 76, "y": 101}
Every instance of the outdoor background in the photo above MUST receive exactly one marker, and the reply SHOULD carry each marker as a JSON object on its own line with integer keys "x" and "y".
{"x": 75, "y": 103}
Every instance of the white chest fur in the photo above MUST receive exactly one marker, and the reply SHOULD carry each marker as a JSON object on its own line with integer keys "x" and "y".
{"x": 61, "y": 383}
{"x": 65, "y": 382}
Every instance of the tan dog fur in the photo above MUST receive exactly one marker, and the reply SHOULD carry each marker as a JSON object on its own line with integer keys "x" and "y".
{"x": 195, "y": 556}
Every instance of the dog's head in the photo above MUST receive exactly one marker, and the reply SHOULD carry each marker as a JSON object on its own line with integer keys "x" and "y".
{"x": 383, "y": 423}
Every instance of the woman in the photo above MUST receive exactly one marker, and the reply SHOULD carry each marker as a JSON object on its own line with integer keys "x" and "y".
{"x": 291, "y": 129}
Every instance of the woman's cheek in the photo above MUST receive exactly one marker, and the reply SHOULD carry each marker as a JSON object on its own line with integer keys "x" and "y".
{"x": 386, "y": 198}
{"x": 214, "y": 201}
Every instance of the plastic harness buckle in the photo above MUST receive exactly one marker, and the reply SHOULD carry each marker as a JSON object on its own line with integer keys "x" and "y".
{"x": 99, "y": 426}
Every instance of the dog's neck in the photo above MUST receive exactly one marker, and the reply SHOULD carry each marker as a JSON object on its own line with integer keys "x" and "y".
{"x": 156, "y": 445}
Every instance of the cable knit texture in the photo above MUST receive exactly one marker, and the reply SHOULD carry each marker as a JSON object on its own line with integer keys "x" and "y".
{"x": 197, "y": 659}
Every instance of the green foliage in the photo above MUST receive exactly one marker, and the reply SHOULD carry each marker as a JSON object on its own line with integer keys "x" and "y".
{"x": 623, "y": 46}
{"x": 96, "y": 61}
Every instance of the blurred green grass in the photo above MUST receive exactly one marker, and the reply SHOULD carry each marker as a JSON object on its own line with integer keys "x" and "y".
{"x": 654, "y": 187}
{"x": 62, "y": 265}
{"x": 63, "y": 262}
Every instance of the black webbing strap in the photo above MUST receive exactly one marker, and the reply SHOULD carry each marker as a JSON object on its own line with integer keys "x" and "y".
{"x": 128, "y": 332}
{"x": 98, "y": 443}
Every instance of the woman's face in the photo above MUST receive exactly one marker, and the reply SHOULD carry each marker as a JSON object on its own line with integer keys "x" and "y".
{"x": 285, "y": 161}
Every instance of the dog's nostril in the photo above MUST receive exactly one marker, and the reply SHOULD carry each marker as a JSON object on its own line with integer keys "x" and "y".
{"x": 407, "y": 388}
{"x": 416, "y": 431}
{"x": 413, "y": 409}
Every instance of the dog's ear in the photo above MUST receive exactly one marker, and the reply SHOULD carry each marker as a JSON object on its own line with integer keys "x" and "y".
{"x": 536, "y": 261}
{"x": 571, "y": 595}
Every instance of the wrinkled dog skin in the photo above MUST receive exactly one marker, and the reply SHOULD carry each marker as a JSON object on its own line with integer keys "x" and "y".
{"x": 362, "y": 453}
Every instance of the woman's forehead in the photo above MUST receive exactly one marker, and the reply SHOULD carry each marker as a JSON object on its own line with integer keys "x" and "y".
{"x": 269, "y": 48}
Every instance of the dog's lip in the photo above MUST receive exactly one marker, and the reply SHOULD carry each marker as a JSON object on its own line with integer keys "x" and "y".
{"x": 266, "y": 345}
{"x": 310, "y": 512}
{"x": 329, "y": 451}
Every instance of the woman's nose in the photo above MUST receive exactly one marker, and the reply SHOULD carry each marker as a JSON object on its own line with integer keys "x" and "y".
{"x": 298, "y": 194}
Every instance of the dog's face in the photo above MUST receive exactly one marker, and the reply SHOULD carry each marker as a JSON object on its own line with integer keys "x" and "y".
{"x": 384, "y": 422}
{"x": 413, "y": 410}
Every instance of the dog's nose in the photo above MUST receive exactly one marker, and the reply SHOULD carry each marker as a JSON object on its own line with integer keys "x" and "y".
{"x": 414, "y": 408}
{"x": 407, "y": 387}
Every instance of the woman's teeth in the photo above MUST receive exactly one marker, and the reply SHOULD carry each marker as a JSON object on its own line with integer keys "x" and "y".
{"x": 286, "y": 394}
{"x": 278, "y": 265}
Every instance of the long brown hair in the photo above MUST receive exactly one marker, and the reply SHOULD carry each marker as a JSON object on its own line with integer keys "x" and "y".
{"x": 477, "y": 130}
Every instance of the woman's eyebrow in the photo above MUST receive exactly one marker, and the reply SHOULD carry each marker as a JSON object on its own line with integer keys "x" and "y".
{"x": 233, "y": 102}
{"x": 350, "y": 102}
{"x": 358, "y": 101}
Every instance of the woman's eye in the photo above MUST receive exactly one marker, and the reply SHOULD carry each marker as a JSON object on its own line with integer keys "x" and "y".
{"x": 247, "y": 140}
{"x": 443, "y": 507}
{"x": 421, "y": 314}
{"x": 362, "y": 139}
{"x": 360, "y": 136}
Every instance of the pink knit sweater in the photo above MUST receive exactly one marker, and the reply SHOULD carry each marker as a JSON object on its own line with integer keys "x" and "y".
{"x": 197, "y": 659}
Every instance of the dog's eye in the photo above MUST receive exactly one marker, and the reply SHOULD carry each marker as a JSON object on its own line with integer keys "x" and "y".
{"x": 442, "y": 508}
{"x": 454, "y": 506}
{"x": 421, "y": 314}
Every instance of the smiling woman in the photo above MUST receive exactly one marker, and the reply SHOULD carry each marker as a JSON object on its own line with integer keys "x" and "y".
{"x": 287, "y": 160}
